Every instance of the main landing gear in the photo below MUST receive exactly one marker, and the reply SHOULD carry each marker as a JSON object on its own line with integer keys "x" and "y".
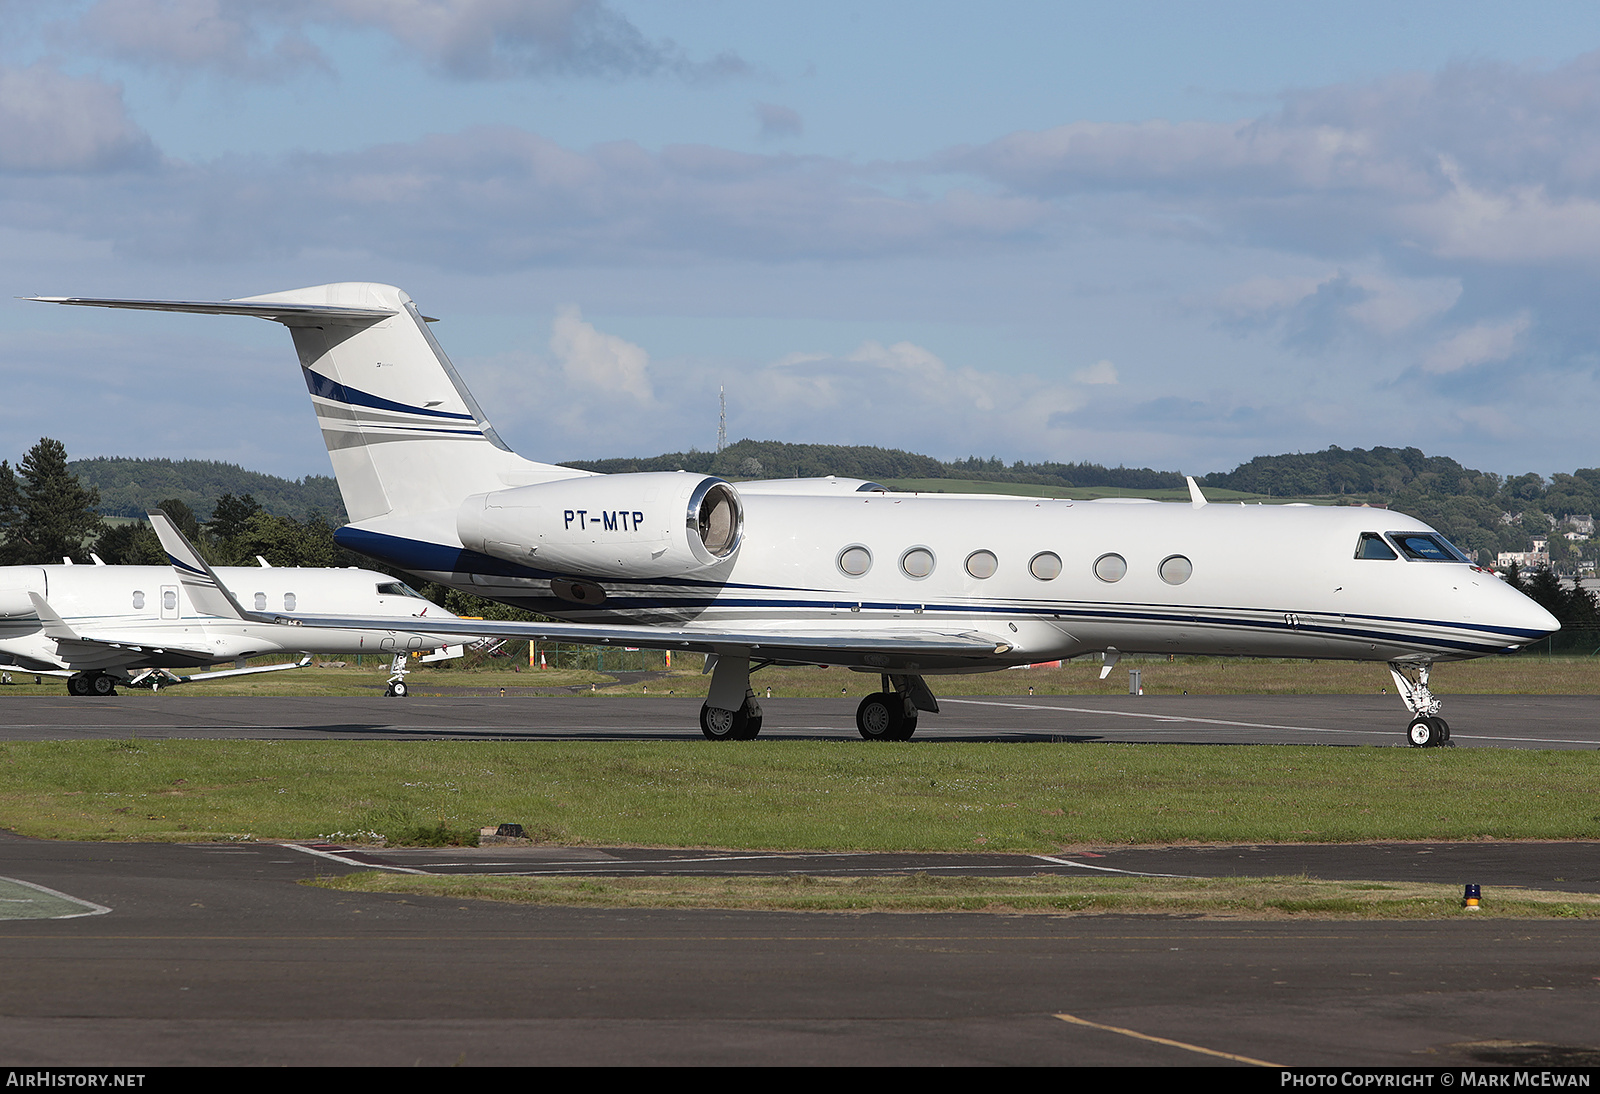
{"x": 891, "y": 714}
{"x": 91, "y": 683}
{"x": 731, "y": 712}
{"x": 721, "y": 724}
{"x": 1426, "y": 729}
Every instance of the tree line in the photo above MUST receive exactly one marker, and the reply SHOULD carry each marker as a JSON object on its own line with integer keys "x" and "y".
{"x": 47, "y": 514}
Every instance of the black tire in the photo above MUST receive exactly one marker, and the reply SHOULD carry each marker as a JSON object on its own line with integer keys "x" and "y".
{"x": 101, "y": 684}
{"x": 398, "y": 689}
{"x": 882, "y": 717}
{"x": 724, "y": 725}
{"x": 78, "y": 684}
{"x": 1423, "y": 732}
{"x": 1444, "y": 730}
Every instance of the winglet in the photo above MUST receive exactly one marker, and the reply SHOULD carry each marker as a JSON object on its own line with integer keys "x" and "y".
{"x": 206, "y": 592}
{"x": 54, "y": 625}
{"x": 1196, "y": 498}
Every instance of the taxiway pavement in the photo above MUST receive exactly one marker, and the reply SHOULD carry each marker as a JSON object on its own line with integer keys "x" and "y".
{"x": 214, "y": 954}
{"x": 1477, "y": 721}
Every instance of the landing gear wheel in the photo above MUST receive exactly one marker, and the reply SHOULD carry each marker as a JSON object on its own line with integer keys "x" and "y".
{"x": 397, "y": 689}
{"x": 882, "y": 717}
{"x": 1427, "y": 731}
{"x": 78, "y": 684}
{"x": 730, "y": 725}
{"x": 101, "y": 684}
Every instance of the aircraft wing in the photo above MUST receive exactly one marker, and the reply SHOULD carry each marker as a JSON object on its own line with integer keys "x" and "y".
{"x": 206, "y": 590}
{"x": 788, "y": 645}
{"x": 218, "y": 674}
{"x": 59, "y": 629}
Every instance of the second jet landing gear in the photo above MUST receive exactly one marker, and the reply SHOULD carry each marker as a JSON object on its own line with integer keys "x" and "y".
{"x": 91, "y": 683}
{"x": 1426, "y": 729}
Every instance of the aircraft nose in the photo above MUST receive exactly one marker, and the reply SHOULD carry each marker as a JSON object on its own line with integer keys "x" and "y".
{"x": 1525, "y": 617}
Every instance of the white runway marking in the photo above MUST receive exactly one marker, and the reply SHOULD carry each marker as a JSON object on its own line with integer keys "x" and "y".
{"x": 351, "y": 861}
{"x": 1112, "y": 869}
{"x": 25, "y": 900}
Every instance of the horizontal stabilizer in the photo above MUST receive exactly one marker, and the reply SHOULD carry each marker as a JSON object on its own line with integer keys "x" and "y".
{"x": 277, "y": 311}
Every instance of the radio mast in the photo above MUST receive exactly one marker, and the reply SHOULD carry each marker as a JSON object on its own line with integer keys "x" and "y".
{"x": 722, "y": 421}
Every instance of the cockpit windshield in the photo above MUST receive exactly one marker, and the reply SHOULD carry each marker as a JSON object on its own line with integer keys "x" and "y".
{"x": 398, "y": 588}
{"x": 1371, "y": 545}
{"x": 1426, "y": 547}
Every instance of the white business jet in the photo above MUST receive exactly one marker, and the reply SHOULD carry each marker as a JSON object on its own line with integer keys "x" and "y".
{"x": 843, "y": 572}
{"x": 137, "y": 626}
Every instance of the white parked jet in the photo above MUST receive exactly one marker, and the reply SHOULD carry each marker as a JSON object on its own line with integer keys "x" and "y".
{"x": 100, "y": 626}
{"x": 842, "y": 572}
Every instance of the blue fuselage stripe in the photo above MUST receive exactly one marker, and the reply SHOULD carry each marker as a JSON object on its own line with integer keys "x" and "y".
{"x": 422, "y": 556}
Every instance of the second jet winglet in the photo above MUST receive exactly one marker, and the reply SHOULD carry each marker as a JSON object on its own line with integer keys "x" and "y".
{"x": 206, "y": 592}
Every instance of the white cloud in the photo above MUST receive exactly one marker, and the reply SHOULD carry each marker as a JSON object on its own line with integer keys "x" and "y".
{"x": 778, "y": 121}
{"x": 1101, "y": 372}
{"x": 602, "y": 363}
{"x": 1482, "y": 344}
{"x": 462, "y": 39}
{"x": 228, "y": 37}
{"x": 501, "y": 198}
{"x": 52, "y": 122}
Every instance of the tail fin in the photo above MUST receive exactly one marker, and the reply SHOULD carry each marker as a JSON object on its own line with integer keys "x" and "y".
{"x": 403, "y": 432}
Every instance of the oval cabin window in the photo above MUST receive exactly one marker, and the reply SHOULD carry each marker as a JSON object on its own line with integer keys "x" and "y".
{"x": 261, "y": 602}
{"x": 917, "y": 562}
{"x": 1110, "y": 567}
{"x": 288, "y": 602}
{"x": 982, "y": 564}
{"x": 1046, "y": 566}
{"x": 855, "y": 561}
{"x": 1175, "y": 569}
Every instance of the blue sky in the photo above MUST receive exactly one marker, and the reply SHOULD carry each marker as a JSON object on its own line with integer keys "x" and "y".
{"x": 1176, "y": 235}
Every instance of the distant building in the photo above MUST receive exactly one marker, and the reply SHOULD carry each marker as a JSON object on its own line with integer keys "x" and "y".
{"x": 1524, "y": 560}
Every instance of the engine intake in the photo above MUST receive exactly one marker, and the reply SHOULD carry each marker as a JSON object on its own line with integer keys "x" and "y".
{"x": 656, "y": 524}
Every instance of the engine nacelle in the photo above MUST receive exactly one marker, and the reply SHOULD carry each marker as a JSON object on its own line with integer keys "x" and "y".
{"x": 656, "y": 524}
{"x": 16, "y": 604}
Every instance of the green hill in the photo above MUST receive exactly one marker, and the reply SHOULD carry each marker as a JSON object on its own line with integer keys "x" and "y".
{"x": 129, "y": 487}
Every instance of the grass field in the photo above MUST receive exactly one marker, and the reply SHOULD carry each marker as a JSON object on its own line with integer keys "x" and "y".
{"x": 788, "y": 794}
{"x": 1231, "y": 898}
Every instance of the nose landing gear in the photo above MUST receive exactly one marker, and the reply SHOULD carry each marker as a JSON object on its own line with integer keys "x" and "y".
{"x": 396, "y": 686}
{"x": 1426, "y": 729}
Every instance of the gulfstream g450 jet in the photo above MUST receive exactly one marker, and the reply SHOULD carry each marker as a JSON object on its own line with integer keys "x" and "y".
{"x": 844, "y": 572}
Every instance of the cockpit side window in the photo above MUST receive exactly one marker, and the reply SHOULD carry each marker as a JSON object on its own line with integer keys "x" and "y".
{"x": 1422, "y": 547}
{"x": 398, "y": 588}
{"x": 1371, "y": 545}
